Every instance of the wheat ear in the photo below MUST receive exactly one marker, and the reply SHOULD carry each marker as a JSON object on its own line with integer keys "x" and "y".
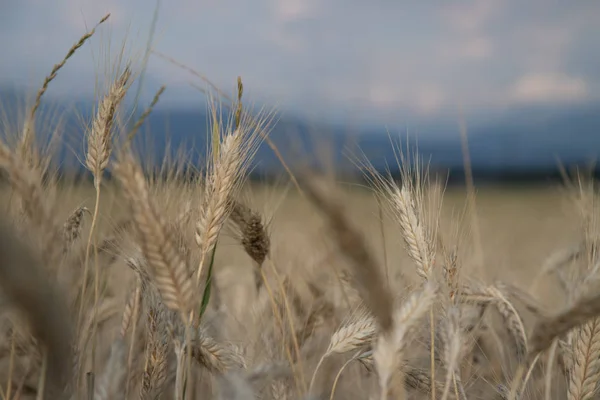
{"x": 357, "y": 332}
{"x": 168, "y": 269}
{"x": 585, "y": 372}
{"x": 225, "y": 176}
{"x": 215, "y": 356}
{"x": 254, "y": 236}
{"x": 98, "y": 154}
{"x": 155, "y": 368}
{"x": 26, "y": 143}
{"x": 72, "y": 227}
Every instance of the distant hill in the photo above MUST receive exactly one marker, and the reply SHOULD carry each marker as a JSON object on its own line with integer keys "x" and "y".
{"x": 520, "y": 144}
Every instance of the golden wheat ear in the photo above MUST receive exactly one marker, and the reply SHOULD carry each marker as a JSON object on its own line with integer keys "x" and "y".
{"x": 253, "y": 236}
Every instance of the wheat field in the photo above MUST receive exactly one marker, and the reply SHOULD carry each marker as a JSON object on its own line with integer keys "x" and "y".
{"x": 212, "y": 286}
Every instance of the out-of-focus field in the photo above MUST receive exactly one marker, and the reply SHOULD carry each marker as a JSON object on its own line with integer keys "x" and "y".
{"x": 519, "y": 228}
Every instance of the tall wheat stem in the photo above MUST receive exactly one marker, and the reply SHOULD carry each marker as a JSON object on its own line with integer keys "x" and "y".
{"x": 88, "y": 248}
{"x": 84, "y": 283}
{"x": 279, "y": 319}
{"x": 432, "y": 352}
{"x": 87, "y": 253}
{"x": 291, "y": 323}
{"x": 339, "y": 374}
{"x": 136, "y": 310}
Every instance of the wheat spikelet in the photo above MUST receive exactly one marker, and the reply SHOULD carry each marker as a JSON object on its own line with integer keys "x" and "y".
{"x": 585, "y": 371}
{"x": 486, "y": 295}
{"x": 255, "y": 239}
{"x": 565, "y": 355}
{"x": 474, "y": 293}
{"x": 512, "y": 319}
{"x": 254, "y": 236}
{"x": 130, "y": 313}
{"x": 232, "y": 160}
{"x": 72, "y": 227}
{"x": 356, "y": 332}
{"x": 219, "y": 189}
{"x": 214, "y": 356}
{"x": 418, "y": 379}
{"x": 155, "y": 369}
{"x": 408, "y": 205}
{"x": 168, "y": 269}
{"x": 99, "y": 141}
{"x": 413, "y": 231}
{"x": 26, "y": 144}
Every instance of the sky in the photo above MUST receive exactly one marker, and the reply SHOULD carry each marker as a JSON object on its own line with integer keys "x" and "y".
{"x": 350, "y": 59}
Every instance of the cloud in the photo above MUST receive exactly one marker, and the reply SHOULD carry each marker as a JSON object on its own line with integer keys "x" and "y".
{"x": 471, "y": 16}
{"x": 548, "y": 88}
{"x": 429, "y": 99}
{"x": 291, "y": 10}
{"x": 310, "y": 56}
{"x": 477, "y": 48}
